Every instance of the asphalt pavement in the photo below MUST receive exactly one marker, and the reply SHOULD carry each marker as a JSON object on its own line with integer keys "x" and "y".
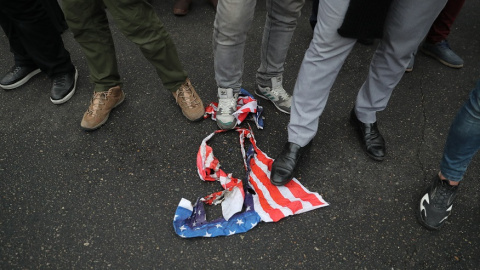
{"x": 71, "y": 199}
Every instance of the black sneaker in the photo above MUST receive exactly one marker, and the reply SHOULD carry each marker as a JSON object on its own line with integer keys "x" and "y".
{"x": 63, "y": 87}
{"x": 436, "y": 204}
{"x": 18, "y": 76}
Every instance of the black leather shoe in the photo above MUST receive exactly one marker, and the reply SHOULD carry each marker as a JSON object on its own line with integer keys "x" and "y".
{"x": 63, "y": 87}
{"x": 18, "y": 76}
{"x": 285, "y": 163}
{"x": 370, "y": 137}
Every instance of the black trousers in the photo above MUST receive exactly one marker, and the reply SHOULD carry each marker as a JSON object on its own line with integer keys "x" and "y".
{"x": 34, "y": 41}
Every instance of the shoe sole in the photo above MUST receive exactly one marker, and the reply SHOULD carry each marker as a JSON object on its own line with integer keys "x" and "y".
{"x": 264, "y": 97}
{"x": 69, "y": 95}
{"x": 22, "y": 81}
{"x": 440, "y": 59}
{"x": 104, "y": 120}
{"x": 224, "y": 127}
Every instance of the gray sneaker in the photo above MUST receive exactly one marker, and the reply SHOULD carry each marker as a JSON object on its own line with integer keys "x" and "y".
{"x": 276, "y": 94}
{"x": 227, "y": 105}
{"x": 443, "y": 53}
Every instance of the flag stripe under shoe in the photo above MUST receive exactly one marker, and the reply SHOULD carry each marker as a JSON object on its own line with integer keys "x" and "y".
{"x": 18, "y": 76}
{"x": 436, "y": 204}
{"x": 189, "y": 101}
{"x": 276, "y": 94}
{"x": 100, "y": 106}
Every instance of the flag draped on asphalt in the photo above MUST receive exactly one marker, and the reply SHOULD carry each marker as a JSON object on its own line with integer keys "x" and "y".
{"x": 243, "y": 205}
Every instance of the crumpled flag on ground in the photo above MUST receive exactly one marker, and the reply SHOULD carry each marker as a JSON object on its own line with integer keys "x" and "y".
{"x": 247, "y": 109}
{"x": 243, "y": 206}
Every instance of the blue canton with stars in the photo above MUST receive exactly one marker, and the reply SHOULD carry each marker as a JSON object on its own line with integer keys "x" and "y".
{"x": 193, "y": 222}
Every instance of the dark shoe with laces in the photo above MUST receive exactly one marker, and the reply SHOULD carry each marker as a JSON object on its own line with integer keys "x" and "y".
{"x": 285, "y": 163}
{"x": 436, "y": 204}
{"x": 370, "y": 137}
{"x": 443, "y": 53}
{"x": 18, "y": 76}
{"x": 63, "y": 87}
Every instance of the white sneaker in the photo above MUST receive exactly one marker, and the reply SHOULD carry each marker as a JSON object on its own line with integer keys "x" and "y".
{"x": 280, "y": 98}
{"x": 227, "y": 105}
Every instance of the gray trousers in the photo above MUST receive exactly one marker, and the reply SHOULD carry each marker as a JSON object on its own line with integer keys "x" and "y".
{"x": 232, "y": 22}
{"x": 407, "y": 23}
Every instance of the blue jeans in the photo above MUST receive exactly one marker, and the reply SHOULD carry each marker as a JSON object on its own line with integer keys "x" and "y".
{"x": 463, "y": 139}
{"x": 233, "y": 21}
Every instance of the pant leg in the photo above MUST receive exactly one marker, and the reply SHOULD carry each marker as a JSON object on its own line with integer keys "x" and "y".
{"x": 463, "y": 139}
{"x": 138, "y": 21}
{"x": 89, "y": 24}
{"x": 441, "y": 26}
{"x": 20, "y": 55}
{"x": 322, "y": 62}
{"x": 232, "y": 22}
{"x": 280, "y": 24}
{"x": 33, "y": 38}
{"x": 406, "y": 25}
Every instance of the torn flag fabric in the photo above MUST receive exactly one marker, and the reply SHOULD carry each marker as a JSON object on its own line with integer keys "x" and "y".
{"x": 257, "y": 199}
{"x": 247, "y": 109}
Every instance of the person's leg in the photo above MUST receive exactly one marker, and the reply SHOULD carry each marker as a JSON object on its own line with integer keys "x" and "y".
{"x": 232, "y": 22}
{"x": 138, "y": 21}
{"x": 407, "y": 24}
{"x": 463, "y": 139}
{"x": 463, "y": 142}
{"x": 441, "y": 27}
{"x": 280, "y": 24}
{"x": 24, "y": 68}
{"x": 42, "y": 44}
{"x": 436, "y": 44}
{"x": 91, "y": 30}
{"x": 36, "y": 33}
{"x": 321, "y": 64}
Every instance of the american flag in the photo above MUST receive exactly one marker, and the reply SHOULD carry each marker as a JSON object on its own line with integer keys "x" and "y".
{"x": 266, "y": 202}
{"x": 247, "y": 109}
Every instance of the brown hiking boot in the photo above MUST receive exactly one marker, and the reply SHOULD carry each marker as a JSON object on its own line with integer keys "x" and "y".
{"x": 100, "y": 106}
{"x": 189, "y": 101}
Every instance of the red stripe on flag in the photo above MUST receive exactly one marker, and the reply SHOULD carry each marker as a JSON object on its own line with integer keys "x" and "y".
{"x": 299, "y": 192}
{"x": 276, "y": 195}
{"x": 275, "y": 214}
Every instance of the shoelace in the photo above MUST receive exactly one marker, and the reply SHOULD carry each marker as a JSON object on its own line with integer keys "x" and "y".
{"x": 227, "y": 105}
{"x": 60, "y": 80}
{"x": 445, "y": 44}
{"x": 16, "y": 69}
{"x": 97, "y": 101}
{"x": 280, "y": 92}
{"x": 186, "y": 95}
{"x": 444, "y": 193}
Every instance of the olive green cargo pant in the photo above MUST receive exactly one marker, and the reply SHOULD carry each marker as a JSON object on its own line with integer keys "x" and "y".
{"x": 137, "y": 20}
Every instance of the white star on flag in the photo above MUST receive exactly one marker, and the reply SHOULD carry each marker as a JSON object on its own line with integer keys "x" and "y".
{"x": 254, "y": 224}
{"x": 239, "y": 222}
{"x": 231, "y": 232}
{"x": 183, "y": 228}
{"x": 218, "y": 225}
{"x": 208, "y": 234}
